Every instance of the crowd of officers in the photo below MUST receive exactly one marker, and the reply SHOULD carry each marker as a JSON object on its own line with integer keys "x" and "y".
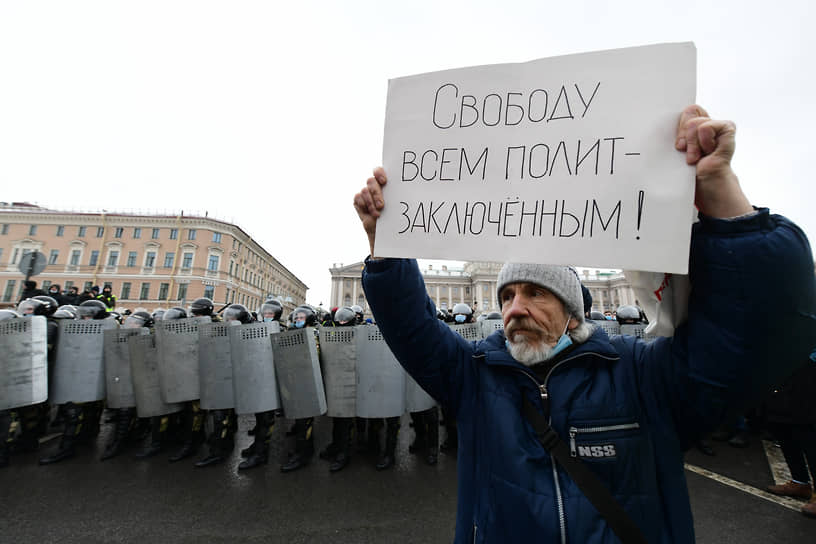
{"x": 22, "y": 428}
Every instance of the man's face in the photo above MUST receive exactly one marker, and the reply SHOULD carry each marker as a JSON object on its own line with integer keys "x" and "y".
{"x": 532, "y": 314}
{"x": 300, "y": 317}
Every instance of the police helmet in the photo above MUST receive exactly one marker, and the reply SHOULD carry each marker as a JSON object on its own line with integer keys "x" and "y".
{"x": 174, "y": 313}
{"x": 201, "y": 306}
{"x": 628, "y": 315}
{"x": 116, "y": 316}
{"x": 481, "y": 318}
{"x": 8, "y": 314}
{"x": 92, "y": 309}
{"x": 595, "y": 315}
{"x": 158, "y": 314}
{"x": 31, "y": 306}
{"x": 271, "y": 308}
{"x": 462, "y": 308}
{"x": 307, "y": 313}
{"x": 494, "y": 315}
{"x": 237, "y": 312}
{"x": 345, "y": 316}
{"x": 51, "y": 305}
{"x": 65, "y": 312}
{"x": 357, "y": 309}
{"x": 138, "y": 319}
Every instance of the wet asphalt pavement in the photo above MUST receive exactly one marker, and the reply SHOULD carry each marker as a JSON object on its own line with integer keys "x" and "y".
{"x": 83, "y": 500}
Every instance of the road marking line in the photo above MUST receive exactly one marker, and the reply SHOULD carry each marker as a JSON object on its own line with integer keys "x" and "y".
{"x": 788, "y": 503}
{"x": 776, "y": 460}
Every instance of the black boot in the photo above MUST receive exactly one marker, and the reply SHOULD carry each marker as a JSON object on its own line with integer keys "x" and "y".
{"x": 124, "y": 423}
{"x": 432, "y": 423}
{"x": 391, "y": 431}
{"x": 192, "y": 432}
{"x": 5, "y": 431}
{"x": 221, "y": 441}
{"x": 259, "y": 454}
{"x": 158, "y": 431}
{"x": 304, "y": 446}
{"x": 342, "y": 431}
{"x": 418, "y": 422}
{"x": 73, "y": 416}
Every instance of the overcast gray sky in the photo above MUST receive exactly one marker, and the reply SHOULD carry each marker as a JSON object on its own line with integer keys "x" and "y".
{"x": 271, "y": 115}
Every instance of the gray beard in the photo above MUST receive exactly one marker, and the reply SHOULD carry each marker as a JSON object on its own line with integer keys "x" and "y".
{"x": 528, "y": 354}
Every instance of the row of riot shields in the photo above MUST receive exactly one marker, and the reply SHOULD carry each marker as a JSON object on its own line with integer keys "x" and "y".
{"x": 612, "y": 327}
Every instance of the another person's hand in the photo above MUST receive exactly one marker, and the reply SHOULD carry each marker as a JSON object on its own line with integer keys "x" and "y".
{"x": 709, "y": 145}
{"x": 369, "y": 203}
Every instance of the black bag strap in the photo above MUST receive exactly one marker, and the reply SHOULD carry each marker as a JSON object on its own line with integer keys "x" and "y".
{"x": 600, "y": 497}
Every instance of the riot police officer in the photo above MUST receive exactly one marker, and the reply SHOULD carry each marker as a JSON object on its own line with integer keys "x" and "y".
{"x": 303, "y": 316}
{"x": 339, "y": 450}
{"x": 81, "y": 420}
{"x": 461, "y": 314}
{"x": 7, "y": 417}
{"x": 222, "y": 440}
{"x": 628, "y": 315}
{"x": 258, "y": 453}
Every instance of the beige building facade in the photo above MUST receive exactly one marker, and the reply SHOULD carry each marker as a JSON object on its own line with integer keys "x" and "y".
{"x": 150, "y": 261}
{"x": 475, "y": 284}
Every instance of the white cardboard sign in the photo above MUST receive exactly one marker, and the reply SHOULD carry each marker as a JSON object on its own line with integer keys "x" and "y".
{"x": 564, "y": 160}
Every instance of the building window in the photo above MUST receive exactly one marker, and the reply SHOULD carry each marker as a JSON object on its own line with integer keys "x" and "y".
{"x": 173, "y": 234}
{"x": 52, "y": 258}
{"x": 14, "y": 255}
{"x": 118, "y": 232}
{"x": 75, "y": 255}
{"x": 230, "y": 269}
{"x": 81, "y": 232}
{"x": 60, "y": 230}
{"x": 212, "y": 265}
{"x": 68, "y": 285}
{"x": 94, "y": 258}
{"x": 1, "y": 253}
{"x": 155, "y": 234}
{"x": 217, "y": 237}
{"x": 125, "y": 290}
{"x": 131, "y": 258}
{"x": 32, "y": 230}
{"x": 107, "y": 284}
{"x": 163, "y": 288}
{"x": 87, "y": 286}
{"x": 188, "y": 261}
{"x": 144, "y": 293}
{"x": 137, "y": 232}
{"x": 347, "y": 300}
{"x": 100, "y": 232}
{"x": 226, "y": 298}
{"x": 191, "y": 234}
{"x": 168, "y": 259}
{"x": 150, "y": 259}
{"x": 46, "y": 284}
{"x": 5, "y": 228}
{"x": 182, "y": 292}
{"x": 209, "y": 292}
{"x": 113, "y": 258}
{"x": 9, "y": 292}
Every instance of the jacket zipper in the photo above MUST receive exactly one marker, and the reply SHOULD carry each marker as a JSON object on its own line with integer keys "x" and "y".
{"x": 573, "y": 432}
{"x": 475, "y": 528}
{"x": 545, "y": 401}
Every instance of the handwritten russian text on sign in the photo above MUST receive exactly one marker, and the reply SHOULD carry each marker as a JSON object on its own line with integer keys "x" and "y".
{"x": 565, "y": 160}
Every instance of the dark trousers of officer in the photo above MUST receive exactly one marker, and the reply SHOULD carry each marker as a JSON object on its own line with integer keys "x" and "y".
{"x": 192, "y": 430}
{"x": 426, "y": 434}
{"x": 798, "y": 443}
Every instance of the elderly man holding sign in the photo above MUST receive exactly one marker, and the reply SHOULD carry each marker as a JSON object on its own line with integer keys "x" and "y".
{"x": 568, "y": 435}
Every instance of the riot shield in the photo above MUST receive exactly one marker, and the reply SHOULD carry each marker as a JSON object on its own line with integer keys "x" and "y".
{"x": 144, "y": 367}
{"x": 215, "y": 366}
{"x": 609, "y": 327}
{"x": 338, "y": 360}
{"x": 468, "y": 331}
{"x": 638, "y": 329}
{"x": 254, "y": 381}
{"x": 79, "y": 371}
{"x": 416, "y": 399}
{"x": 118, "y": 378}
{"x": 177, "y": 342}
{"x": 23, "y": 365}
{"x": 489, "y": 326}
{"x": 380, "y": 378}
{"x": 298, "y": 371}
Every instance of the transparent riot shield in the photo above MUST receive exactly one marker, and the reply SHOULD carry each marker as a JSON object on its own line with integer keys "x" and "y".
{"x": 254, "y": 380}
{"x": 79, "y": 371}
{"x": 338, "y": 358}
{"x": 638, "y": 329}
{"x": 23, "y": 362}
{"x": 144, "y": 367}
{"x": 118, "y": 377}
{"x": 177, "y": 342}
{"x": 380, "y": 378}
{"x": 215, "y": 366}
{"x": 298, "y": 371}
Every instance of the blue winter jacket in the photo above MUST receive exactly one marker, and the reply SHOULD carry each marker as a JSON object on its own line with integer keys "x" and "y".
{"x": 627, "y": 408}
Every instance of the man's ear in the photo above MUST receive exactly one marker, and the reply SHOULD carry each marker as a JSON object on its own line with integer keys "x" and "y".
{"x": 573, "y": 323}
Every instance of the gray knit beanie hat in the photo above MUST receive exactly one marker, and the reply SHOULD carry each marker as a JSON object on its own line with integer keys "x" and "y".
{"x": 562, "y": 281}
